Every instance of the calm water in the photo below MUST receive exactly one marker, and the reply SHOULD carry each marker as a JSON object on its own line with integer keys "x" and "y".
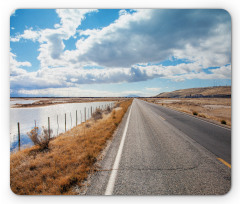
{"x": 13, "y": 102}
{"x": 27, "y": 117}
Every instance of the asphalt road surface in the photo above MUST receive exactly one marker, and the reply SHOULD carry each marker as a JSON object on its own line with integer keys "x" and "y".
{"x": 159, "y": 151}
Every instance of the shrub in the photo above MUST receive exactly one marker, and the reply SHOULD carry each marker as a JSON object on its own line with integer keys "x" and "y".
{"x": 223, "y": 122}
{"x": 88, "y": 125}
{"x": 195, "y": 113}
{"x": 202, "y": 115}
{"x": 117, "y": 105}
{"x": 97, "y": 115}
{"x": 108, "y": 110}
{"x": 41, "y": 140}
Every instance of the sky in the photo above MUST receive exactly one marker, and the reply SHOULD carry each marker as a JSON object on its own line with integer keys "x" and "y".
{"x": 117, "y": 52}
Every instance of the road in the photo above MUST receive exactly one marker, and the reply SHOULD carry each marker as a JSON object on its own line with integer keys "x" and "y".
{"x": 159, "y": 151}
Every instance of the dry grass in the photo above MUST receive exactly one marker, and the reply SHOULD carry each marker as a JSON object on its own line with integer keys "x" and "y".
{"x": 215, "y": 109}
{"x": 193, "y": 92}
{"x": 68, "y": 161}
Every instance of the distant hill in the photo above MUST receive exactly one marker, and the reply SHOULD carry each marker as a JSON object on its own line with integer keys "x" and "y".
{"x": 132, "y": 96}
{"x": 206, "y": 92}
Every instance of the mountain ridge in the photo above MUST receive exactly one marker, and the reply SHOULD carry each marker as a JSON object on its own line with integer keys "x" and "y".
{"x": 202, "y": 92}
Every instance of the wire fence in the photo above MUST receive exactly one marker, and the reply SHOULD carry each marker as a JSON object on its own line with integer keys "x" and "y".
{"x": 56, "y": 124}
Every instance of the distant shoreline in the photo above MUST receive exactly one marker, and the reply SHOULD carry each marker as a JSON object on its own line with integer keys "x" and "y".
{"x": 40, "y": 102}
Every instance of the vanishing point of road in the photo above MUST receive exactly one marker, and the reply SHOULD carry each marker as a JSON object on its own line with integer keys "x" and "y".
{"x": 159, "y": 151}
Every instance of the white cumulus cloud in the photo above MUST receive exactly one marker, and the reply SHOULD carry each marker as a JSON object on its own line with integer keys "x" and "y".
{"x": 128, "y": 50}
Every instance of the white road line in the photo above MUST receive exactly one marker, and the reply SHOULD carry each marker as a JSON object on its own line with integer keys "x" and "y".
{"x": 111, "y": 181}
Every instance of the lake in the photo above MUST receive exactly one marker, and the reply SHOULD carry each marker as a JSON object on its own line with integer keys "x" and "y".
{"x": 56, "y": 113}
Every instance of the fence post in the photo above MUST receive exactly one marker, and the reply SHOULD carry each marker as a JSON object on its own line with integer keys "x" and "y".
{"x": 19, "y": 140}
{"x": 76, "y": 117}
{"x": 58, "y": 125}
{"x": 65, "y": 122}
{"x": 85, "y": 114}
{"x": 49, "y": 127}
{"x": 91, "y": 111}
{"x": 81, "y": 116}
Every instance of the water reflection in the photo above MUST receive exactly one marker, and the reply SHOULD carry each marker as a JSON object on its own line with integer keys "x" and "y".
{"x": 74, "y": 113}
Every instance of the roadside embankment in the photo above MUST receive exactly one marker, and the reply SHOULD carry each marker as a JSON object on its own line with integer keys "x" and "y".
{"x": 67, "y": 161}
{"x": 217, "y": 110}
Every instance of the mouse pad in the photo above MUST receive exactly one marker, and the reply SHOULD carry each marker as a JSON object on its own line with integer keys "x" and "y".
{"x": 120, "y": 102}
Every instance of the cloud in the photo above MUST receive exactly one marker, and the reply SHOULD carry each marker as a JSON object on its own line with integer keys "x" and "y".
{"x": 15, "y": 66}
{"x": 28, "y": 34}
{"x": 56, "y": 45}
{"x": 51, "y": 40}
{"x": 78, "y": 92}
{"x": 155, "y": 35}
{"x": 72, "y": 18}
{"x": 52, "y": 46}
{"x": 147, "y": 35}
{"x": 72, "y": 77}
{"x": 223, "y": 72}
{"x": 14, "y": 39}
{"x": 122, "y": 12}
{"x": 128, "y": 50}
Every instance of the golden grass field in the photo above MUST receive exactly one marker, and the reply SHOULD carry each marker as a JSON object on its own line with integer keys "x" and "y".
{"x": 65, "y": 165}
{"x": 215, "y": 109}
